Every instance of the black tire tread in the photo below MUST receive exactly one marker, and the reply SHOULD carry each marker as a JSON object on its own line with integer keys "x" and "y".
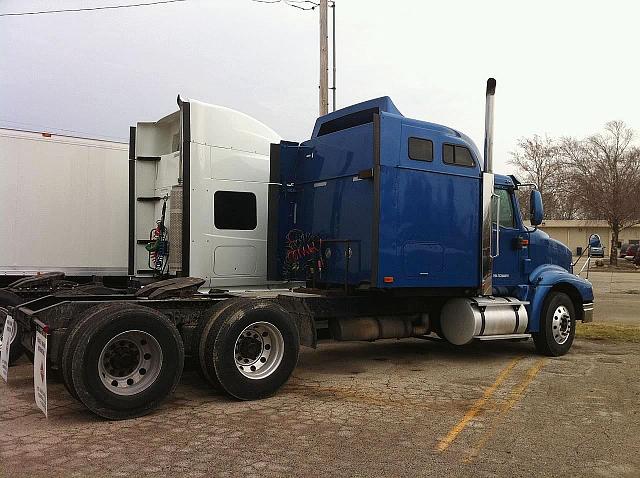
{"x": 230, "y": 379}
{"x": 544, "y": 342}
{"x": 9, "y": 298}
{"x": 115, "y": 312}
{"x": 70, "y": 340}
{"x": 209, "y": 326}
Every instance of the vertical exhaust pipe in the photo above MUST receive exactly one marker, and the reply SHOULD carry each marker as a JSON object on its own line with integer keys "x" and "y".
{"x": 486, "y": 286}
{"x": 488, "y": 126}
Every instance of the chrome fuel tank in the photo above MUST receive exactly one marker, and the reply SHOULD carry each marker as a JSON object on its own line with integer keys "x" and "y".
{"x": 463, "y": 319}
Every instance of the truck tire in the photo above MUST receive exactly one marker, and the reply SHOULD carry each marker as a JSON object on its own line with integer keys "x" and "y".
{"x": 557, "y": 325}
{"x": 255, "y": 349}
{"x": 16, "y": 350}
{"x": 70, "y": 341}
{"x": 126, "y": 360}
{"x": 9, "y": 298}
{"x": 210, "y": 325}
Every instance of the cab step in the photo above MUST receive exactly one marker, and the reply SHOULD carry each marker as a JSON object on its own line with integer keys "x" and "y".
{"x": 503, "y": 337}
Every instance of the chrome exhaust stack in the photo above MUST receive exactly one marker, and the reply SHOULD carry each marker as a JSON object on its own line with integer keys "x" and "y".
{"x": 486, "y": 286}
{"x": 488, "y": 125}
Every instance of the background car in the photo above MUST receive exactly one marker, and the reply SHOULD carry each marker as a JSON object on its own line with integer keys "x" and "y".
{"x": 623, "y": 249}
{"x": 631, "y": 252}
{"x": 595, "y": 246}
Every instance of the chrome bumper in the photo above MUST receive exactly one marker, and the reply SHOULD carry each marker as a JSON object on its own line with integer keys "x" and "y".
{"x": 587, "y": 315}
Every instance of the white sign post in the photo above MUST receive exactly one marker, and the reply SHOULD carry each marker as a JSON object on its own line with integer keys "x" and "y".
{"x": 40, "y": 372}
{"x": 7, "y": 335}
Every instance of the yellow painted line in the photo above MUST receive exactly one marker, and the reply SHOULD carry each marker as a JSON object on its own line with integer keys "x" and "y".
{"x": 515, "y": 396}
{"x": 476, "y": 407}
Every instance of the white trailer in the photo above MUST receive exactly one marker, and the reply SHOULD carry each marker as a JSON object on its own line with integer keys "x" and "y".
{"x": 63, "y": 204}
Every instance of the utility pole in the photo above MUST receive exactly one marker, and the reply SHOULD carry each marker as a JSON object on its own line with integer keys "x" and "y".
{"x": 333, "y": 52}
{"x": 324, "y": 59}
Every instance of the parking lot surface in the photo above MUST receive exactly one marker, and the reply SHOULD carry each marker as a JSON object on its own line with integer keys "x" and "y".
{"x": 390, "y": 408}
{"x": 617, "y": 295}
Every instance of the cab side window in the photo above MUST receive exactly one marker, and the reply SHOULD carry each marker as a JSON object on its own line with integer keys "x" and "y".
{"x": 507, "y": 218}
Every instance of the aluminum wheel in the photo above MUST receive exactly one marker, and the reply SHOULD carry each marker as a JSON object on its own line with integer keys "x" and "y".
{"x": 259, "y": 350}
{"x": 130, "y": 362}
{"x": 561, "y": 324}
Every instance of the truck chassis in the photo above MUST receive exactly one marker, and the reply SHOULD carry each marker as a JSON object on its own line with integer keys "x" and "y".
{"x": 105, "y": 347}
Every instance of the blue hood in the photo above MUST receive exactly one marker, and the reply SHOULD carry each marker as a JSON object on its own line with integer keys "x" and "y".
{"x": 545, "y": 250}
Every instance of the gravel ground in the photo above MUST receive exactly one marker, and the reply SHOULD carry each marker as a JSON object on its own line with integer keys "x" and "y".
{"x": 390, "y": 408}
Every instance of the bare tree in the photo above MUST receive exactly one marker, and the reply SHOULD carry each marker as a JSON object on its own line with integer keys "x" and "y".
{"x": 605, "y": 170}
{"x": 538, "y": 160}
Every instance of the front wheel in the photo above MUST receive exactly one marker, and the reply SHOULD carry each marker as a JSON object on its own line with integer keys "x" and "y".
{"x": 254, "y": 350}
{"x": 557, "y": 325}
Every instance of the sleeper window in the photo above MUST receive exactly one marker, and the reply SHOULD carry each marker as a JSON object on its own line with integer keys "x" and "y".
{"x": 235, "y": 210}
{"x": 420, "y": 149}
{"x": 458, "y": 155}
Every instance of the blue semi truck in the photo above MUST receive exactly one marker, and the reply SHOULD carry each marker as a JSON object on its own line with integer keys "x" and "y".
{"x": 403, "y": 208}
{"x": 377, "y": 227}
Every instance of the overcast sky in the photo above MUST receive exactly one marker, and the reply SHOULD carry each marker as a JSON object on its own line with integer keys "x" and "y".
{"x": 563, "y": 67}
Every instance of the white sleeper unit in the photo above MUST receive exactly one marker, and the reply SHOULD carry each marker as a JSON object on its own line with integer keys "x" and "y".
{"x": 210, "y": 164}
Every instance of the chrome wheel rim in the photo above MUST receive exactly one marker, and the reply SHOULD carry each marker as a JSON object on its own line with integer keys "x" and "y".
{"x": 561, "y": 325}
{"x": 259, "y": 350}
{"x": 130, "y": 362}
{"x": 14, "y": 332}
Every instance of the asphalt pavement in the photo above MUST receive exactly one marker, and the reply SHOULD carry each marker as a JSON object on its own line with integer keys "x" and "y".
{"x": 389, "y": 408}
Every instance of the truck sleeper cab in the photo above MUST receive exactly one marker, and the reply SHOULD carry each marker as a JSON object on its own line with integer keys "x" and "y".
{"x": 401, "y": 196}
{"x": 381, "y": 203}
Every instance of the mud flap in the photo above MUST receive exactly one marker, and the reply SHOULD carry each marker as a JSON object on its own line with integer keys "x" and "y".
{"x": 7, "y": 334}
{"x": 40, "y": 372}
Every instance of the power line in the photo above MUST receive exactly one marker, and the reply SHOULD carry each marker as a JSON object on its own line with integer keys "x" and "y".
{"x": 298, "y": 6}
{"x": 90, "y": 9}
{"x": 287, "y": 1}
{"x": 324, "y": 61}
{"x": 293, "y": 3}
{"x": 40, "y": 128}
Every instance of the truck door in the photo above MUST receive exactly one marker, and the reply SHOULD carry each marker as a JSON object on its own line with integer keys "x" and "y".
{"x": 508, "y": 267}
